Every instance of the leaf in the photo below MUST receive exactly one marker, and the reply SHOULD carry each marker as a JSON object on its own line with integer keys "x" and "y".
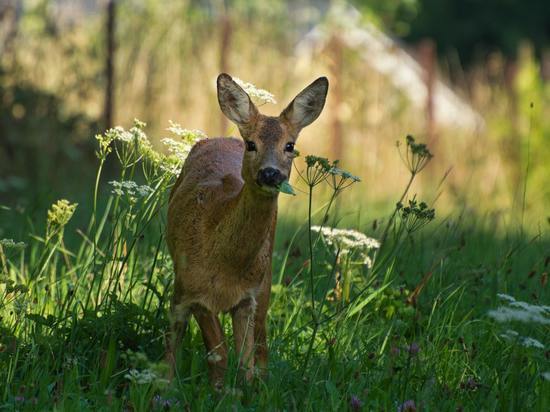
{"x": 286, "y": 188}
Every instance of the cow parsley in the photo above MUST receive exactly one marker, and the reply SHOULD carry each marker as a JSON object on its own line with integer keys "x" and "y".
{"x": 11, "y": 244}
{"x": 130, "y": 188}
{"x": 262, "y": 96}
{"x": 520, "y": 312}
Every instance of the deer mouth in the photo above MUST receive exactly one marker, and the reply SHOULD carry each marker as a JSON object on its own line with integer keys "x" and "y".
{"x": 268, "y": 190}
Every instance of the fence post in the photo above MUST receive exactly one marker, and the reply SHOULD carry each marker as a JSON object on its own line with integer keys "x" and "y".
{"x": 336, "y": 63}
{"x": 110, "y": 64}
{"x": 428, "y": 61}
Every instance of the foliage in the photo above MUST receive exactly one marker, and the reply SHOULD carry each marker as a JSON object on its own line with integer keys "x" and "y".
{"x": 82, "y": 327}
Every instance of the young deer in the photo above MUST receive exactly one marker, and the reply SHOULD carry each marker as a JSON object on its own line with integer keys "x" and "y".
{"x": 221, "y": 224}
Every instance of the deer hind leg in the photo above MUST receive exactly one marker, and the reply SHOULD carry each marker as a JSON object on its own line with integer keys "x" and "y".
{"x": 179, "y": 319}
{"x": 214, "y": 340}
{"x": 243, "y": 332}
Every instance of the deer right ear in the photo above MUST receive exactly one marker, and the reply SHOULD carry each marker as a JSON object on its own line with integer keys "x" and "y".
{"x": 234, "y": 101}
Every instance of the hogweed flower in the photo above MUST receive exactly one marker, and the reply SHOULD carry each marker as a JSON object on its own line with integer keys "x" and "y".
{"x": 417, "y": 155}
{"x": 59, "y": 215}
{"x": 415, "y": 215}
{"x": 11, "y": 244}
{"x": 260, "y": 95}
{"x": 341, "y": 179}
{"x": 318, "y": 168}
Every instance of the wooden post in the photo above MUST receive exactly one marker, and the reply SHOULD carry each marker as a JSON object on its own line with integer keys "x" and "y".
{"x": 110, "y": 65}
{"x": 336, "y": 63}
{"x": 225, "y": 42}
{"x": 428, "y": 61}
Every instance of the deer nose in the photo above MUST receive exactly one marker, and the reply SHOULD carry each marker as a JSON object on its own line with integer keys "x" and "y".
{"x": 270, "y": 177}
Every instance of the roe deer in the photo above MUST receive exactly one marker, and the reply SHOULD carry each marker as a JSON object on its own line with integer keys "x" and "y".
{"x": 221, "y": 224}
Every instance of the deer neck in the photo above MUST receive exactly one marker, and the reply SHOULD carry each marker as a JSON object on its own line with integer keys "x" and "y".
{"x": 249, "y": 223}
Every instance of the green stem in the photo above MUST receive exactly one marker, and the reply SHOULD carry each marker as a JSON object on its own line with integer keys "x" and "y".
{"x": 392, "y": 217}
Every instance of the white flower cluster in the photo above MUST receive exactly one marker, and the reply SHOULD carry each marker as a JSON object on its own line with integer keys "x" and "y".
{"x": 348, "y": 241}
{"x": 178, "y": 149}
{"x": 528, "y": 342}
{"x": 120, "y": 134}
{"x": 261, "y": 95}
{"x": 11, "y": 244}
{"x": 144, "y": 377}
{"x": 520, "y": 311}
{"x": 130, "y": 188}
{"x": 188, "y": 135}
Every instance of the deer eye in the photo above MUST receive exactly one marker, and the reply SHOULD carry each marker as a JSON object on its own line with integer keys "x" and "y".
{"x": 289, "y": 147}
{"x": 250, "y": 146}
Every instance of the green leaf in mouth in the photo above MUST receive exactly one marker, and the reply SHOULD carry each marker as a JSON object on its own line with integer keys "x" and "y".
{"x": 285, "y": 187}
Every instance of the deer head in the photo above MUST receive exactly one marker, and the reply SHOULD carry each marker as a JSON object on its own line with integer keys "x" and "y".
{"x": 269, "y": 141}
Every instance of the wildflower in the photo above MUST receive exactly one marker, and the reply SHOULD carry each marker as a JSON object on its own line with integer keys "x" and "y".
{"x": 346, "y": 239}
{"x": 531, "y": 343}
{"x": 415, "y": 215}
{"x": 413, "y": 349}
{"x": 506, "y": 297}
{"x": 144, "y": 377}
{"x": 545, "y": 376}
{"x": 11, "y": 244}
{"x": 471, "y": 384}
{"x": 164, "y": 403}
{"x": 318, "y": 168}
{"x": 520, "y": 311}
{"x": 341, "y": 179}
{"x": 260, "y": 95}
{"x": 179, "y": 149}
{"x": 407, "y": 406}
{"x": 58, "y": 216}
{"x": 61, "y": 212}
{"x": 417, "y": 155}
{"x": 130, "y": 189}
{"x": 187, "y": 135}
{"x": 355, "y": 403}
{"x": 118, "y": 133}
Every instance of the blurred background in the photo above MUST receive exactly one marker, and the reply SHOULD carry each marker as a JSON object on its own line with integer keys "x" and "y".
{"x": 469, "y": 78}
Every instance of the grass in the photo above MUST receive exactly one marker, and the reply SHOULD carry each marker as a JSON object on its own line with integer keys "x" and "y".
{"x": 82, "y": 322}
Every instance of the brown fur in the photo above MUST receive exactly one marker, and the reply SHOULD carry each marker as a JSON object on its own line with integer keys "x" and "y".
{"x": 221, "y": 226}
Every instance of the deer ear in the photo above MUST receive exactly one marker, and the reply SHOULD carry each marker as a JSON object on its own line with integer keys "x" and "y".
{"x": 307, "y": 105}
{"x": 234, "y": 101}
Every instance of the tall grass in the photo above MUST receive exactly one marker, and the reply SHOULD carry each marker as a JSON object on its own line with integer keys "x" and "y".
{"x": 417, "y": 324}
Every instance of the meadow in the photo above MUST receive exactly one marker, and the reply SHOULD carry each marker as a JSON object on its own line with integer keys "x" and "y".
{"x": 408, "y": 277}
{"x": 426, "y": 313}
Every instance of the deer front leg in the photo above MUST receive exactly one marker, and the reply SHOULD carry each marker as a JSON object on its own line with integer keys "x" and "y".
{"x": 212, "y": 335}
{"x": 260, "y": 332}
{"x": 243, "y": 333}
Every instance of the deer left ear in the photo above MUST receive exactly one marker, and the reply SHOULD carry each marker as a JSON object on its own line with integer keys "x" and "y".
{"x": 307, "y": 105}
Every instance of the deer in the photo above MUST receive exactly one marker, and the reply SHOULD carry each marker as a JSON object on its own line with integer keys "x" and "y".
{"x": 222, "y": 213}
